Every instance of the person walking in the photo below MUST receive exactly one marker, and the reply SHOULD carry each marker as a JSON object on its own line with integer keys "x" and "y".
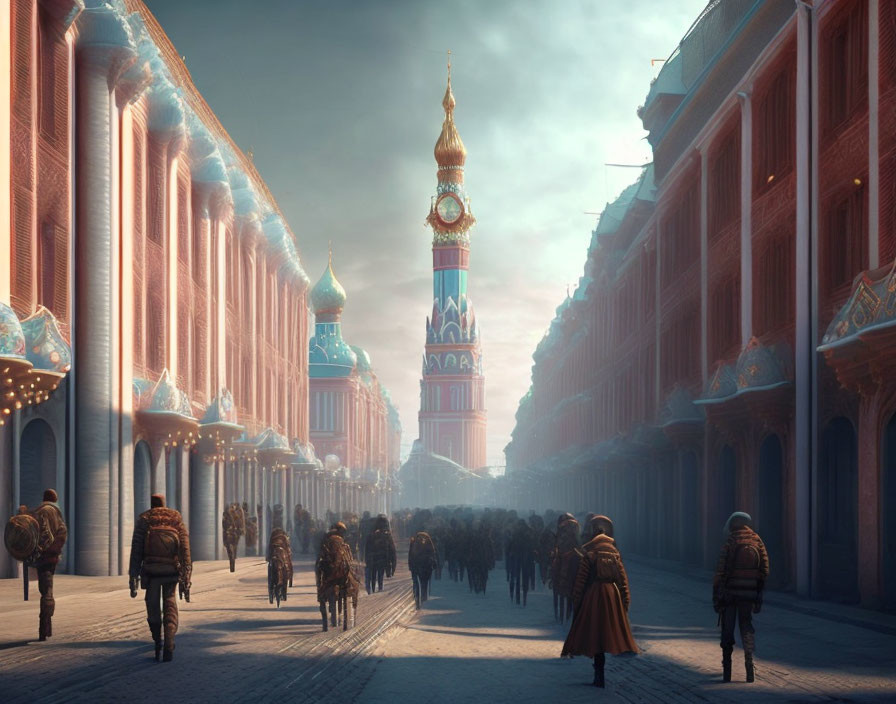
{"x": 160, "y": 560}
{"x": 53, "y": 533}
{"x": 741, "y": 573}
{"x": 601, "y": 600}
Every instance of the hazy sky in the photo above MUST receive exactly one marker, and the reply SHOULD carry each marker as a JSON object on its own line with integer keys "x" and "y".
{"x": 340, "y": 101}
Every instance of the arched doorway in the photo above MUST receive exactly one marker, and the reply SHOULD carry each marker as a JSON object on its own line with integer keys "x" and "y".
{"x": 837, "y": 494}
{"x": 726, "y": 488}
{"x": 37, "y": 462}
{"x": 888, "y": 517}
{"x": 770, "y": 507}
{"x": 142, "y": 478}
{"x": 690, "y": 509}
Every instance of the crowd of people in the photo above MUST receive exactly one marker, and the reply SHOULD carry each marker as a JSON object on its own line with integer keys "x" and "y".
{"x": 578, "y": 561}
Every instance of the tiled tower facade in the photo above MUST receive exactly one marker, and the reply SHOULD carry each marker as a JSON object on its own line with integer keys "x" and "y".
{"x": 452, "y": 391}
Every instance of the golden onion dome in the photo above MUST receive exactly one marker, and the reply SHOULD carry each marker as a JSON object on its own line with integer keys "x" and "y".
{"x": 449, "y": 150}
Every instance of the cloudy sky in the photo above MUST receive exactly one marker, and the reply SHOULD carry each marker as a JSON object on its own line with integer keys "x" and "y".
{"x": 340, "y": 101}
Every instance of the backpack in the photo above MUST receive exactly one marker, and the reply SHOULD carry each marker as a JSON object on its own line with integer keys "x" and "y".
{"x": 606, "y": 566}
{"x": 161, "y": 550}
{"x": 22, "y": 537}
{"x": 744, "y": 560}
{"x": 380, "y": 542}
{"x": 335, "y": 560}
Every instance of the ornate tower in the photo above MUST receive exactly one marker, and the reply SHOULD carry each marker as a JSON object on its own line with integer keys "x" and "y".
{"x": 452, "y": 391}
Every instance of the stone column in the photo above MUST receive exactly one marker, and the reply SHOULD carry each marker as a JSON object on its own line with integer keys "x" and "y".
{"x": 103, "y": 52}
{"x": 182, "y": 477}
{"x": 704, "y": 265}
{"x": 203, "y": 507}
{"x": 869, "y": 486}
{"x": 133, "y": 83}
{"x": 746, "y": 217}
{"x": 873, "y": 134}
{"x": 804, "y": 352}
{"x": 165, "y": 124}
{"x": 219, "y": 509}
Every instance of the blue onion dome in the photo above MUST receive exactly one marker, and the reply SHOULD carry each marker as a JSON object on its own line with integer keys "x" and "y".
{"x": 363, "y": 358}
{"x": 12, "y": 339}
{"x": 328, "y": 296}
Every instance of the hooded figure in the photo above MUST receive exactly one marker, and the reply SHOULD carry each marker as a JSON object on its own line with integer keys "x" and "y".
{"x": 601, "y": 600}
{"x": 737, "y": 587}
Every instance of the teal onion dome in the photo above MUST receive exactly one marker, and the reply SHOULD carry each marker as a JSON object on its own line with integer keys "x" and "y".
{"x": 329, "y": 355}
{"x": 363, "y": 358}
{"x": 328, "y": 296}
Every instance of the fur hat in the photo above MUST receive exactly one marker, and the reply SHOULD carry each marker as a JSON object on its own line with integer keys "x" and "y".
{"x": 50, "y": 495}
{"x": 736, "y": 520}
{"x": 601, "y": 524}
{"x": 157, "y": 501}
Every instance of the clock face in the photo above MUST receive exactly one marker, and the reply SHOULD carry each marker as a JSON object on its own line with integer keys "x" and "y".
{"x": 449, "y": 208}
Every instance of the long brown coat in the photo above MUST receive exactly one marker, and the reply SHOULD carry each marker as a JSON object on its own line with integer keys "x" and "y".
{"x": 601, "y": 598}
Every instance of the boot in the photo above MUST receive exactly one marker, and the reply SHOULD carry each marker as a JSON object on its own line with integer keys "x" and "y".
{"x": 168, "y": 644}
{"x": 599, "y": 661}
{"x": 749, "y": 641}
{"x": 726, "y": 665}
{"x": 44, "y": 630}
{"x": 158, "y": 650}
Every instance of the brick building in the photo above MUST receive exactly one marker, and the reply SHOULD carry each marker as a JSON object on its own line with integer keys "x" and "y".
{"x": 728, "y": 344}
{"x": 161, "y": 257}
{"x": 352, "y": 417}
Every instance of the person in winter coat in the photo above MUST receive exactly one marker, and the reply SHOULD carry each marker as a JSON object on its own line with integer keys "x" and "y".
{"x": 233, "y": 528}
{"x": 521, "y": 552}
{"x": 53, "y": 533}
{"x": 741, "y": 573}
{"x": 601, "y": 600}
{"x": 160, "y": 560}
{"x": 422, "y": 560}
{"x": 380, "y": 555}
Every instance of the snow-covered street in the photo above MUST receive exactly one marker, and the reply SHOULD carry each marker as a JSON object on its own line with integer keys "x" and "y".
{"x": 234, "y": 646}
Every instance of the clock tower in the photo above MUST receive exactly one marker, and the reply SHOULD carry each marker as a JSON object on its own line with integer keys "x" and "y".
{"x": 452, "y": 390}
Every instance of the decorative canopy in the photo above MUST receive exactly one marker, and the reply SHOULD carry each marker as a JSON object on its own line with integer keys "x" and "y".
{"x": 758, "y": 368}
{"x": 270, "y": 440}
{"x": 34, "y": 358}
{"x": 164, "y": 411}
{"x": 12, "y": 339}
{"x": 167, "y": 398}
{"x": 47, "y": 349}
{"x": 221, "y": 410}
{"x": 680, "y": 409}
{"x": 871, "y": 308}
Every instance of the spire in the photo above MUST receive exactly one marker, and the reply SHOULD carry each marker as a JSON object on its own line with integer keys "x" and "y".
{"x": 449, "y": 149}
